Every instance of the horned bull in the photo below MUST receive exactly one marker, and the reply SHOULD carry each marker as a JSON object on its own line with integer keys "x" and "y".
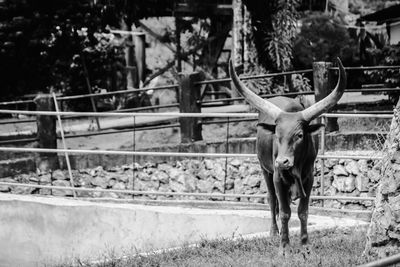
{"x": 286, "y": 150}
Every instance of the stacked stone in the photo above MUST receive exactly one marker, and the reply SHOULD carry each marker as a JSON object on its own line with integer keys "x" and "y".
{"x": 348, "y": 177}
{"x": 244, "y": 176}
{"x": 383, "y": 236}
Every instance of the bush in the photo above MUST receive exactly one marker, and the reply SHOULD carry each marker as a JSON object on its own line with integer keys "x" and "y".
{"x": 42, "y": 43}
{"x": 322, "y": 38}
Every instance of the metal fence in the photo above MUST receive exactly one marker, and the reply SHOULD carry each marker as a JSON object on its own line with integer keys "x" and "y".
{"x": 322, "y": 156}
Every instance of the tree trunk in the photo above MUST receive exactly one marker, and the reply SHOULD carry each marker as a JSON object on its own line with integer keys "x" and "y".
{"x": 383, "y": 237}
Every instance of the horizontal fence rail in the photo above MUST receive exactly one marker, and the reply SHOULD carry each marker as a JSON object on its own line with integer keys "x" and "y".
{"x": 254, "y": 77}
{"x": 178, "y": 114}
{"x": 139, "y": 192}
{"x": 129, "y": 91}
{"x": 368, "y": 68}
{"x": 164, "y": 154}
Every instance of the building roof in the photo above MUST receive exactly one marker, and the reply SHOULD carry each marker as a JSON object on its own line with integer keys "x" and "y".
{"x": 384, "y": 15}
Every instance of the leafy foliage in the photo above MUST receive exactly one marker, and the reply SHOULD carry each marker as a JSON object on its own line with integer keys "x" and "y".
{"x": 284, "y": 32}
{"x": 42, "y": 44}
{"x": 388, "y": 56}
{"x": 322, "y": 38}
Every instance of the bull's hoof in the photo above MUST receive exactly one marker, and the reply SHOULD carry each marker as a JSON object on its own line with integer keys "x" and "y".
{"x": 304, "y": 239}
{"x": 285, "y": 250}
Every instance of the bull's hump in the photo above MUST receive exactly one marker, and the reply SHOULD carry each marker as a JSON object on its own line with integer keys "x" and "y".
{"x": 284, "y": 103}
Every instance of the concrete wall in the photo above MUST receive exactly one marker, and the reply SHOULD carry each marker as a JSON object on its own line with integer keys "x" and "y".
{"x": 37, "y": 230}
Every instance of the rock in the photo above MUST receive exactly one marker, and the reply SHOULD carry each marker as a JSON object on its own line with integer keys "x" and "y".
{"x": 96, "y": 171}
{"x": 344, "y": 183}
{"x": 160, "y": 176}
{"x": 97, "y": 194}
{"x": 176, "y": 186}
{"x": 203, "y": 174}
{"x": 120, "y": 177}
{"x": 142, "y": 176}
{"x": 330, "y": 163}
{"x": 60, "y": 192}
{"x": 174, "y": 173}
{"x": 339, "y": 170}
{"x": 218, "y": 172}
{"x": 236, "y": 162}
{"x": 363, "y": 165}
{"x": 205, "y": 186}
{"x": 252, "y": 181}
{"x": 254, "y": 169}
{"x": 34, "y": 179}
{"x": 218, "y": 186}
{"x": 374, "y": 175}
{"x": 366, "y": 203}
{"x": 164, "y": 167}
{"x": 208, "y": 164}
{"x": 101, "y": 182}
{"x": 230, "y": 184}
{"x": 362, "y": 184}
{"x": 22, "y": 190}
{"x": 45, "y": 178}
{"x": 6, "y": 188}
{"x": 59, "y": 175}
{"x": 112, "y": 182}
{"x": 119, "y": 186}
{"x": 352, "y": 167}
{"x": 45, "y": 191}
{"x": 263, "y": 186}
{"x": 239, "y": 188}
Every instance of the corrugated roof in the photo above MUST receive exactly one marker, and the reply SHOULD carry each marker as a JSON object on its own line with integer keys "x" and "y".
{"x": 388, "y": 14}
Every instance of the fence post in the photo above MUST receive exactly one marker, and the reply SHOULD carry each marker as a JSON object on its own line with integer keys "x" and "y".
{"x": 323, "y": 86}
{"x": 189, "y": 102}
{"x": 140, "y": 55}
{"x": 46, "y": 133}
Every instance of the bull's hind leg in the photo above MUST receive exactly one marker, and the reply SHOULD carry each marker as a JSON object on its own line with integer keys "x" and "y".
{"x": 302, "y": 212}
{"x": 273, "y": 203}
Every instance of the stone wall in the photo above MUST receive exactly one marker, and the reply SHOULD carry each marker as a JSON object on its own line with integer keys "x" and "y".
{"x": 342, "y": 177}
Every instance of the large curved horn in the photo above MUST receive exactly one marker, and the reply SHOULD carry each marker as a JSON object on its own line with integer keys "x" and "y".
{"x": 329, "y": 101}
{"x": 256, "y": 101}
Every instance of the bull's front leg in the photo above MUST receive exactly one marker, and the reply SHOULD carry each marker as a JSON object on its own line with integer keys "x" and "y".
{"x": 284, "y": 210}
{"x": 302, "y": 210}
{"x": 273, "y": 205}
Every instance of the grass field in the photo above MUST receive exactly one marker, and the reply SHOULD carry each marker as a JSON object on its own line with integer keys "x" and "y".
{"x": 327, "y": 248}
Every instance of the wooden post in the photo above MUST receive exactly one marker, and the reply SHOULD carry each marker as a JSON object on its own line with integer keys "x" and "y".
{"x": 178, "y": 44}
{"x": 323, "y": 86}
{"x": 237, "y": 39}
{"x": 189, "y": 95}
{"x": 140, "y": 55}
{"x": 46, "y": 134}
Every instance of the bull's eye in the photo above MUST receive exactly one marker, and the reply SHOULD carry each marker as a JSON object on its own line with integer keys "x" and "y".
{"x": 300, "y": 135}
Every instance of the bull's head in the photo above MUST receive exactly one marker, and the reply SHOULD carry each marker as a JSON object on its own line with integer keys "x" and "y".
{"x": 290, "y": 128}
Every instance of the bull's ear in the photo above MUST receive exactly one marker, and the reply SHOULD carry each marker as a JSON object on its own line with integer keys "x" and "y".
{"x": 312, "y": 128}
{"x": 266, "y": 126}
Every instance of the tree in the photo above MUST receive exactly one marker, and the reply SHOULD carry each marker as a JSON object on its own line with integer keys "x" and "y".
{"x": 323, "y": 38}
{"x": 274, "y": 25}
{"x": 43, "y": 45}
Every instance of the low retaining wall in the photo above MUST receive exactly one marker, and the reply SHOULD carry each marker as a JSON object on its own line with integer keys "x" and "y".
{"x": 244, "y": 176}
{"x": 334, "y": 142}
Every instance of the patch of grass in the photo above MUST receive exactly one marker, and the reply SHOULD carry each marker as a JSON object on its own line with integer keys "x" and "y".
{"x": 327, "y": 248}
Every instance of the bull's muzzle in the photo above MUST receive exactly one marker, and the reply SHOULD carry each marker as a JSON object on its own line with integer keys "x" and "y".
{"x": 283, "y": 163}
